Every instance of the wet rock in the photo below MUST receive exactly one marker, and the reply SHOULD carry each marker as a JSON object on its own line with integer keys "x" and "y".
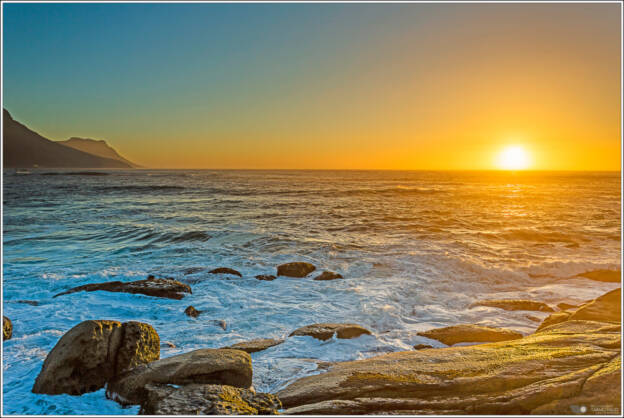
{"x": 469, "y": 333}
{"x": 606, "y": 308}
{"x": 253, "y": 346}
{"x": 206, "y": 366}
{"x": 191, "y": 311}
{"x": 7, "y": 328}
{"x": 326, "y": 331}
{"x": 225, "y": 270}
{"x": 541, "y": 373}
{"x": 533, "y": 318}
{"x": 29, "y": 302}
{"x": 163, "y": 288}
{"x": 296, "y": 269}
{"x": 613, "y": 276}
{"x": 422, "y": 346}
{"x": 92, "y": 353}
{"x": 267, "y": 277}
{"x": 328, "y": 275}
{"x": 197, "y": 399}
{"x": 193, "y": 270}
{"x": 168, "y": 344}
{"x": 514, "y": 305}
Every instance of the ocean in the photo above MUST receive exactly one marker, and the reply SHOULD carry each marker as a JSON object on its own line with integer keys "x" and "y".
{"x": 415, "y": 249}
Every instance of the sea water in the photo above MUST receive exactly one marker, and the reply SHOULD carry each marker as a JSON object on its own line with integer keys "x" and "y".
{"x": 415, "y": 249}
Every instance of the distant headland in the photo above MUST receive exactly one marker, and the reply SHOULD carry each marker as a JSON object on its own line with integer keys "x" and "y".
{"x": 24, "y": 148}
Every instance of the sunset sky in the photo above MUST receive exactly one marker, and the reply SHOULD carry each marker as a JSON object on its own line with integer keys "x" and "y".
{"x": 344, "y": 86}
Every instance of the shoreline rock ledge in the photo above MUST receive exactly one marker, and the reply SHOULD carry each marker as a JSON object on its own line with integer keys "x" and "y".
{"x": 553, "y": 371}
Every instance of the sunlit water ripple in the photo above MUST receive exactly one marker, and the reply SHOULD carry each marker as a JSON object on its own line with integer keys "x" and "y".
{"x": 415, "y": 248}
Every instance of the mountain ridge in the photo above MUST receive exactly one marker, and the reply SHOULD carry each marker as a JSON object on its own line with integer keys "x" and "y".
{"x": 98, "y": 147}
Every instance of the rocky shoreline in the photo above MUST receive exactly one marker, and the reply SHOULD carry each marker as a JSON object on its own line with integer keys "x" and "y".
{"x": 571, "y": 361}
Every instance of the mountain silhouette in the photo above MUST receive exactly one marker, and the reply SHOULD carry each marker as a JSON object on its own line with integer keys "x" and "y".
{"x": 24, "y": 148}
{"x": 97, "y": 147}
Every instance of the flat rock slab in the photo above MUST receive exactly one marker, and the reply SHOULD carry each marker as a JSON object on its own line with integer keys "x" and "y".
{"x": 196, "y": 399}
{"x": 514, "y": 305}
{"x": 225, "y": 270}
{"x": 7, "y": 328}
{"x": 606, "y": 308}
{"x": 253, "y": 346}
{"x": 296, "y": 269}
{"x": 542, "y": 373}
{"x": 469, "y": 333}
{"x": 94, "y": 352}
{"x": 206, "y": 366}
{"x": 328, "y": 275}
{"x": 162, "y": 288}
{"x": 613, "y": 276}
{"x": 326, "y": 331}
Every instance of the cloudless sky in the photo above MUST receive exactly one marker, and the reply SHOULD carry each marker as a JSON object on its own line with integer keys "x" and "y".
{"x": 379, "y": 86}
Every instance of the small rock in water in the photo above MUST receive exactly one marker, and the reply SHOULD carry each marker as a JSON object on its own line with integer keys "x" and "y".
{"x": 221, "y": 323}
{"x": 28, "y": 302}
{"x": 469, "y": 333}
{"x": 164, "y": 288}
{"x": 94, "y": 352}
{"x": 533, "y": 318}
{"x": 191, "y": 311}
{"x": 205, "y": 366}
{"x": 198, "y": 399}
{"x": 328, "y": 275}
{"x": 193, "y": 270}
{"x": 253, "y": 346}
{"x": 514, "y": 305}
{"x": 225, "y": 270}
{"x": 7, "y": 328}
{"x": 168, "y": 344}
{"x": 265, "y": 277}
{"x": 325, "y": 331}
{"x": 296, "y": 269}
{"x": 422, "y": 346}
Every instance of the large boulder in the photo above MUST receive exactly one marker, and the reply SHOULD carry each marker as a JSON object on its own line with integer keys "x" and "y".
{"x": 94, "y": 352}
{"x": 253, "y": 346}
{"x": 606, "y": 308}
{"x": 530, "y": 375}
{"x": 325, "y": 331}
{"x": 469, "y": 333}
{"x": 205, "y": 366}
{"x": 163, "y": 288}
{"x": 196, "y": 399}
{"x": 514, "y": 305}
{"x": 296, "y": 269}
{"x": 225, "y": 270}
{"x": 7, "y": 328}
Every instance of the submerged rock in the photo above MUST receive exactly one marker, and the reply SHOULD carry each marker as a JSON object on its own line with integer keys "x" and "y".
{"x": 469, "y": 333}
{"x": 191, "y": 311}
{"x": 542, "y": 373}
{"x": 220, "y": 323}
{"x": 606, "y": 308}
{"x": 225, "y": 270}
{"x": 92, "y": 353}
{"x": 613, "y": 276}
{"x": 163, "y": 288}
{"x": 326, "y": 331}
{"x": 265, "y": 277}
{"x": 197, "y": 399}
{"x": 7, "y": 328}
{"x": 328, "y": 275}
{"x": 206, "y": 366}
{"x": 514, "y": 305}
{"x": 296, "y": 269}
{"x": 253, "y": 346}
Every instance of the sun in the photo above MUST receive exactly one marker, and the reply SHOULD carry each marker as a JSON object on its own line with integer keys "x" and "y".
{"x": 513, "y": 158}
